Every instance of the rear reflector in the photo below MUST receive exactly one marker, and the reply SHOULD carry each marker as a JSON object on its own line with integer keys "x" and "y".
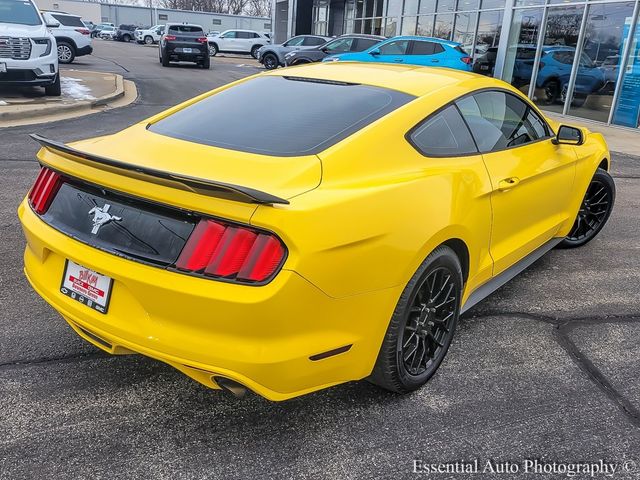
{"x": 232, "y": 252}
{"x": 44, "y": 189}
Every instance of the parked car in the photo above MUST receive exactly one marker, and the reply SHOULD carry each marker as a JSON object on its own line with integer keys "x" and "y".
{"x": 150, "y": 35}
{"x": 72, "y": 36}
{"x": 107, "y": 32}
{"x": 342, "y": 44}
{"x": 339, "y": 238}
{"x": 28, "y": 55}
{"x": 125, "y": 33}
{"x": 412, "y": 50}
{"x": 237, "y": 41}
{"x": 182, "y": 42}
{"x": 95, "y": 32}
{"x": 272, "y": 56}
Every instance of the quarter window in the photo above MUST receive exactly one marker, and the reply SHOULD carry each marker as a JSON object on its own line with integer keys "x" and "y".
{"x": 500, "y": 120}
{"x": 425, "y": 48}
{"x": 341, "y": 45}
{"x": 443, "y": 135}
{"x": 313, "y": 41}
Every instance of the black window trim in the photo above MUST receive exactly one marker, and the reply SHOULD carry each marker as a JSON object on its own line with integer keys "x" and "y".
{"x": 530, "y": 107}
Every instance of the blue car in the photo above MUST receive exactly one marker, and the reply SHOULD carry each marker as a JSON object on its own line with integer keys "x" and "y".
{"x": 411, "y": 50}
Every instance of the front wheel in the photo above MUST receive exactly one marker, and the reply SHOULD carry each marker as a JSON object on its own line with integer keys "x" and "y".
{"x": 270, "y": 61}
{"x": 595, "y": 209}
{"x": 422, "y": 325}
{"x": 254, "y": 51}
{"x": 148, "y": 40}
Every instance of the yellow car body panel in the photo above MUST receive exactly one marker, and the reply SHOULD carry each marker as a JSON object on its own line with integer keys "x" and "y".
{"x": 362, "y": 216}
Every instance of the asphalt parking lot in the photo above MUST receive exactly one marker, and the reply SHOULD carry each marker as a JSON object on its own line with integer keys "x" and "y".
{"x": 546, "y": 368}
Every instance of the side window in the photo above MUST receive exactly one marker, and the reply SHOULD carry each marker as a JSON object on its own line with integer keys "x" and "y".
{"x": 397, "y": 47}
{"x": 243, "y": 35}
{"x": 339, "y": 46}
{"x": 313, "y": 41}
{"x": 363, "y": 44}
{"x": 422, "y": 48}
{"x": 231, "y": 34}
{"x": 294, "y": 42}
{"x": 499, "y": 120}
{"x": 443, "y": 135}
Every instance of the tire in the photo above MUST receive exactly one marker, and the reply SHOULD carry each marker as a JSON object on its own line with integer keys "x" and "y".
{"x": 428, "y": 324}
{"x": 126, "y": 38}
{"x": 66, "y": 52}
{"x": 148, "y": 40}
{"x": 270, "y": 61}
{"x": 206, "y": 63}
{"x": 213, "y": 49}
{"x": 551, "y": 92}
{"x": 165, "y": 61}
{"x": 254, "y": 51}
{"x": 595, "y": 210}
{"x": 54, "y": 90}
{"x": 578, "y": 100}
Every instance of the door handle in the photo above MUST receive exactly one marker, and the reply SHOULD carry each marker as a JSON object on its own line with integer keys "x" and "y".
{"x": 435, "y": 61}
{"x": 508, "y": 183}
{"x": 398, "y": 60}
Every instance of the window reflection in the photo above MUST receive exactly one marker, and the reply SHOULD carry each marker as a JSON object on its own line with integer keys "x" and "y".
{"x": 443, "y": 26}
{"x": 489, "y": 27}
{"x": 464, "y": 31}
{"x": 425, "y": 25}
{"x": 409, "y": 25}
{"x": 556, "y": 60}
{"x": 603, "y": 44}
{"x": 523, "y": 37}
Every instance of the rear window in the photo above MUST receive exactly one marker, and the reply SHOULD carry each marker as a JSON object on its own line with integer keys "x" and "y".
{"x": 186, "y": 29}
{"x": 18, "y": 11}
{"x": 68, "y": 21}
{"x": 303, "y": 116}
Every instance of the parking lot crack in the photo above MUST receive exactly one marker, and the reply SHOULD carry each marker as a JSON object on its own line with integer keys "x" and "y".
{"x": 50, "y": 360}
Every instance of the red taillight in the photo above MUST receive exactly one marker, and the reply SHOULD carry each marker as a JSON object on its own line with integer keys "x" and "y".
{"x": 43, "y": 191}
{"x": 466, "y": 60}
{"x": 169, "y": 37}
{"x": 83, "y": 31}
{"x": 231, "y": 252}
{"x": 202, "y": 39}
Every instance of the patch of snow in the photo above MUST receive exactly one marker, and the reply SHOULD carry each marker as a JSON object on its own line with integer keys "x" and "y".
{"x": 74, "y": 88}
{"x": 2, "y": 103}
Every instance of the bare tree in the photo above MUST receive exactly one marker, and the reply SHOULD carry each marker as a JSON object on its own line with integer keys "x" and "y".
{"x": 258, "y": 8}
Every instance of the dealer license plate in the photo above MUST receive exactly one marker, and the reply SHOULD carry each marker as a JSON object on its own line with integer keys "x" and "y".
{"x": 3, "y": 68}
{"x": 86, "y": 286}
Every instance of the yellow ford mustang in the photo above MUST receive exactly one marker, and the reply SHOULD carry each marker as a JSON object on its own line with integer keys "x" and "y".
{"x": 340, "y": 242}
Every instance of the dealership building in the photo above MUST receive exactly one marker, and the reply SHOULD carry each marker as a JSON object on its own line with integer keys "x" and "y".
{"x": 576, "y": 58}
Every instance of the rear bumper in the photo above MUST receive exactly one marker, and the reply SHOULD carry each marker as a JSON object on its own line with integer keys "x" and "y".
{"x": 262, "y": 337}
{"x": 195, "y": 56}
{"x": 86, "y": 50}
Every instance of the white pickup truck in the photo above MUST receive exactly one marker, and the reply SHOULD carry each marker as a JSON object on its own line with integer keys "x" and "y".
{"x": 149, "y": 36}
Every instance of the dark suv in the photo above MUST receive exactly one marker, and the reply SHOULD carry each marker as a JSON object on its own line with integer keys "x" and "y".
{"x": 182, "y": 42}
{"x": 342, "y": 44}
{"x": 125, "y": 33}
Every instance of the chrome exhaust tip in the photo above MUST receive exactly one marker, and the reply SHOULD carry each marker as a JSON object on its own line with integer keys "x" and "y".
{"x": 231, "y": 386}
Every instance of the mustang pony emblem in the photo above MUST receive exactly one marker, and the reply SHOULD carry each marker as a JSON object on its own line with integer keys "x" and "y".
{"x": 102, "y": 217}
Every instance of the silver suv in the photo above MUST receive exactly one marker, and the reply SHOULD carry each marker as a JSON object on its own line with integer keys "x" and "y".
{"x": 28, "y": 53}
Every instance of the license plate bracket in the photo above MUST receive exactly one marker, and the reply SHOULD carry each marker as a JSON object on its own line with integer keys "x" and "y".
{"x": 86, "y": 286}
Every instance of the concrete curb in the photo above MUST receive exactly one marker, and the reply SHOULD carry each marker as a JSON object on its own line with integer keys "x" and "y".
{"x": 57, "y": 109}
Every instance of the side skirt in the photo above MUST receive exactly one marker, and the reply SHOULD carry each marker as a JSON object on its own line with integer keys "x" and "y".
{"x": 496, "y": 282}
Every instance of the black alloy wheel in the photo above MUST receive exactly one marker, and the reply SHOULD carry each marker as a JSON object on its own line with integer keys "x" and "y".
{"x": 595, "y": 209}
{"x": 270, "y": 61}
{"x": 422, "y": 325}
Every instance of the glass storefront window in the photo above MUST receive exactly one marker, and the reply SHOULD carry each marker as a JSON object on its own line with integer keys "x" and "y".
{"x": 489, "y": 27}
{"x": 446, "y": 5}
{"x": 599, "y": 67}
{"x": 443, "y": 26}
{"x": 558, "y": 53}
{"x": 377, "y": 26}
{"x": 526, "y": 3}
{"x": 464, "y": 31}
{"x": 518, "y": 62}
{"x": 425, "y": 26}
{"x": 391, "y": 27}
{"x": 411, "y": 7}
{"x": 627, "y": 110}
{"x": 427, "y": 6}
{"x": 492, "y": 4}
{"x": 464, "y": 5}
{"x": 359, "y": 8}
{"x": 409, "y": 25}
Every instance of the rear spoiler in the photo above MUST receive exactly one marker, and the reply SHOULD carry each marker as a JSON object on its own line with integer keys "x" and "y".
{"x": 199, "y": 185}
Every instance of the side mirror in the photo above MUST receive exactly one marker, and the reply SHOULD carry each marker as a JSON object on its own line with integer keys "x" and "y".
{"x": 53, "y": 25}
{"x": 568, "y": 136}
{"x": 375, "y": 52}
